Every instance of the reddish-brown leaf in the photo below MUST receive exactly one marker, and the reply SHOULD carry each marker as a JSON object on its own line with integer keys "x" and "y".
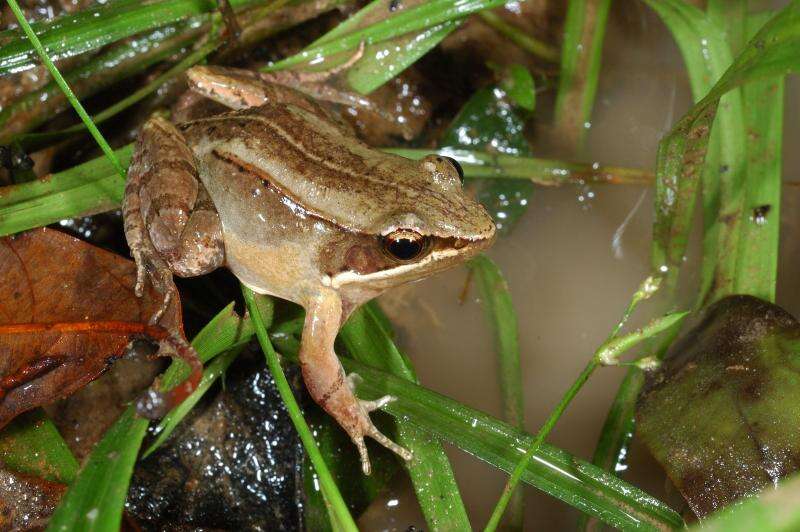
{"x": 67, "y": 311}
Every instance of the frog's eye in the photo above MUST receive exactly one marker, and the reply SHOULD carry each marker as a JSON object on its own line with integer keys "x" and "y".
{"x": 404, "y": 245}
{"x": 457, "y": 167}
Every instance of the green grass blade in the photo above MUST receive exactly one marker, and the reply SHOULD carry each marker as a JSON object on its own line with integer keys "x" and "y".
{"x": 384, "y": 60}
{"x": 531, "y": 45}
{"x": 95, "y": 500}
{"x": 425, "y": 16}
{"x": 368, "y": 340}
{"x": 31, "y": 444}
{"x": 342, "y": 519}
{"x": 554, "y": 471}
{"x": 757, "y": 255}
{"x": 495, "y": 299}
{"x": 37, "y": 107}
{"x": 33, "y": 141}
{"x": 59, "y": 79}
{"x": 581, "y": 53}
{"x": 71, "y": 35}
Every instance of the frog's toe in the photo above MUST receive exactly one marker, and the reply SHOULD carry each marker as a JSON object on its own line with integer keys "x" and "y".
{"x": 378, "y": 436}
{"x": 371, "y": 406}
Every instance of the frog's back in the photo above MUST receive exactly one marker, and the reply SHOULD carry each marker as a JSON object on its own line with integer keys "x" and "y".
{"x": 321, "y": 166}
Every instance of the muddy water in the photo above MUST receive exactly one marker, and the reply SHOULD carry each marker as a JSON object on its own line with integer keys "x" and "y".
{"x": 571, "y": 270}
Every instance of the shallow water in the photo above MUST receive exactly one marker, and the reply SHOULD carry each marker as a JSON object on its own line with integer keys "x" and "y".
{"x": 570, "y": 279}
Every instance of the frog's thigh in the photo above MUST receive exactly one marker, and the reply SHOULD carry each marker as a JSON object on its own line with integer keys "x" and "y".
{"x": 180, "y": 219}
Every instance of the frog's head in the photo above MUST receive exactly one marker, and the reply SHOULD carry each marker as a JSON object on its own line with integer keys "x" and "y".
{"x": 429, "y": 226}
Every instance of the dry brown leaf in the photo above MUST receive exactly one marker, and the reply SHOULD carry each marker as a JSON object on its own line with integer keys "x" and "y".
{"x": 67, "y": 311}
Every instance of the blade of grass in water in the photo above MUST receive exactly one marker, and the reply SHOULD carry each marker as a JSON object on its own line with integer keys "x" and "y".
{"x": 368, "y": 340}
{"x": 757, "y": 255}
{"x": 581, "y": 52}
{"x": 502, "y": 318}
{"x": 58, "y": 78}
{"x": 607, "y": 353}
{"x": 31, "y": 444}
{"x": 342, "y": 518}
{"x": 93, "y": 186}
{"x": 520, "y": 38}
{"x": 554, "y": 471}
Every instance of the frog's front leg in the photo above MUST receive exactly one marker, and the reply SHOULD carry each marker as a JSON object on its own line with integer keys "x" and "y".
{"x": 326, "y": 380}
{"x": 170, "y": 222}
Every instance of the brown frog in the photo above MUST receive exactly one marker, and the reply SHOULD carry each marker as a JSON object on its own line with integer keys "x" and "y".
{"x": 282, "y": 193}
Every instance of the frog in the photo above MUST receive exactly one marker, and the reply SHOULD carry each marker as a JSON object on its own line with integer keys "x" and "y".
{"x": 281, "y": 192}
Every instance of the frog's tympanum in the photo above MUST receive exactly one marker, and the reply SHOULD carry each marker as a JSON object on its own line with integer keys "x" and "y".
{"x": 282, "y": 193}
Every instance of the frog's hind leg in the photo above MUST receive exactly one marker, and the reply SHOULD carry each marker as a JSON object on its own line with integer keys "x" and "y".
{"x": 327, "y": 383}
{"x": 170, "y": 223}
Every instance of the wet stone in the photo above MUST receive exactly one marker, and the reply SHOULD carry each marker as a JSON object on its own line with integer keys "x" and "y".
{"x": 722, "y": 415}
{"x": 234, "y": 464}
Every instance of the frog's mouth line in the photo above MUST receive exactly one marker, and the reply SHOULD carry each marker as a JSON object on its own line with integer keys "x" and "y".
{"x": 445, "y": 256}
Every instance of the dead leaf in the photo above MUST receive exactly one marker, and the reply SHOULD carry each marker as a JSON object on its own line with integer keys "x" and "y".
{"x": 722, "y": 415}
{"x": 67, "y": 312}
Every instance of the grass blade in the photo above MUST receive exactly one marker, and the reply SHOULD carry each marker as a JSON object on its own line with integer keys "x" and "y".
{"x": 581, "y": 52}
{"x": 341, "y": 515}
{"x": 95, "y": 500}
{"x": 35, "y": 108}
{"x": 606, "y": 354}
{"x": 31, "y": 444}
{"x": 71, "y": 35}
{"x": 425, "y": 16}
{"x": 554, "y": 471}
{"x": 383, "y": 61}
{"x": 757, "y": 254}
{"x": 502, "y": 318}
{"x": 368, "y": 339}
{"x": 62, "y": 84}
{"x": 523, "y": 40}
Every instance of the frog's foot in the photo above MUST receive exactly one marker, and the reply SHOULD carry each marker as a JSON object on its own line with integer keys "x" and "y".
{"x": 155, "y": 404}
{"x": 365, "y": 427}
{"x": 149, "y": 265}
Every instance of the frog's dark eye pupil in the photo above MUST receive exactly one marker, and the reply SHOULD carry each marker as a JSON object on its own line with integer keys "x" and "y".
{"x": 404, "y": 245}
{"x": 458, "y": 168}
